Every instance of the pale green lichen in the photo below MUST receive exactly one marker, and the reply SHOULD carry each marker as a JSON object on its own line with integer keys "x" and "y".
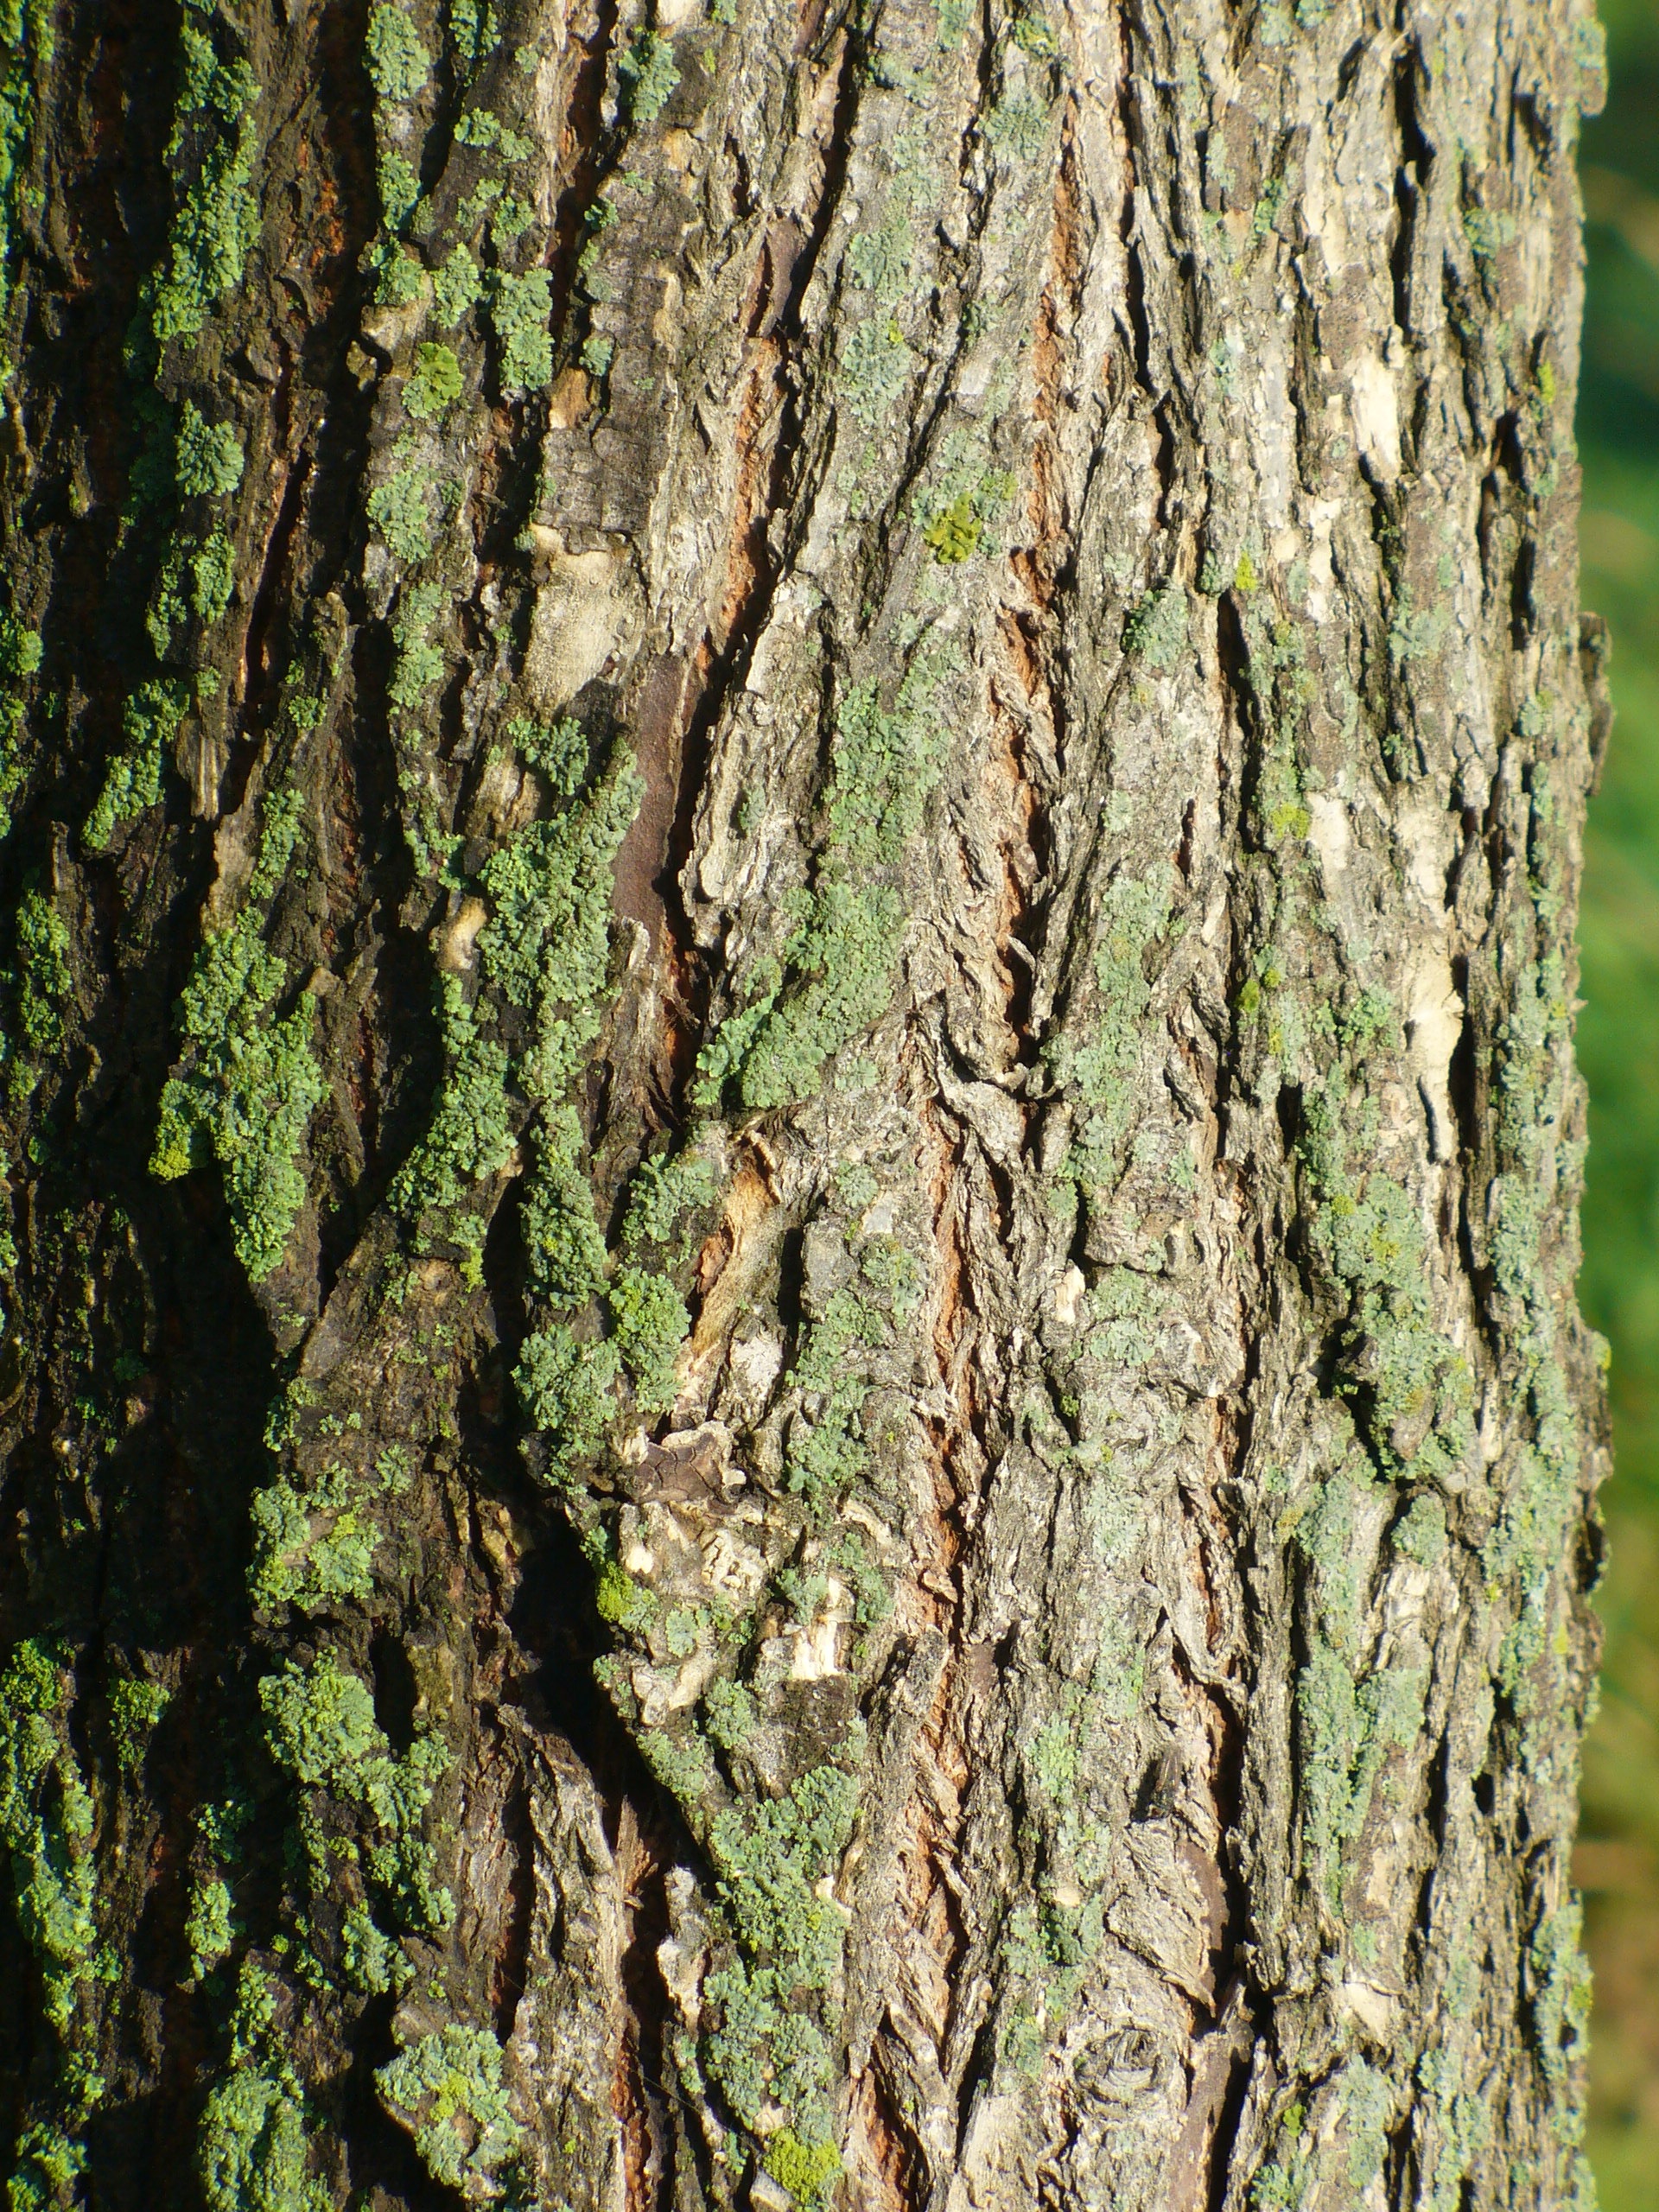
{"x": 649, "y": 73}
{"x": 881, "y": 261}
{"x": 371, "y": 1960}
{"x": 401, "y": 511}
{"x": 875, "y": 367}
{"x": 250, "y": 1081}
{"x": 1017, "y": 126}
{"x": 44, "y": 982}
{"x": 21, "y": 650}
{"x": 252, "y": 2148}
{"x": 447, "y": 2090}
{"x": 46, "y": 1825}
{"x": 1156, "y": 631}
{"x": 27, "y": 43}
{"x": 208, "y": 457}
{"x": 457, "y": 287}
{"x": 135, "y": 1710}
{"x": 434, "y": 383}
{"x": 1411, "y": 1387}
{"x": 841, "y": 956}
{"x": 322, "y": 1731}
{"x": 827, "y": 1451}
{"x": 315, "y": 1550}
{"x": 398, "y": 65}
{"x": 650, "y": 1319}
{"x": 471, "y": 1135}
{"x": 210, "y": 1924}
{"x": 149, "y": 720}
{"x": 211, "y": 154}
{"x": 521, "y": 309}
{"x": 772, "y": 1862}
{"x": 419, "y": 663}
{"x": 48, "y": 2162}
{"x": 568, "y": 1386}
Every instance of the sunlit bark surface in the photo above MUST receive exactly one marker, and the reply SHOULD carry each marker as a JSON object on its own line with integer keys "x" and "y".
{"x": 792, "y": 1402}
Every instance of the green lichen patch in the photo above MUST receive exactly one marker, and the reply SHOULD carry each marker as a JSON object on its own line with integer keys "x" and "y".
{"x": 773, "y": 1861}
{"x": 401, "y": 511}
{"x": 649, "y": 73}
{"x": 650, "y": 1319}
{"x": 447, "y": 2090}
{"x": 44, "y": 982}
{"x": 253, "y": 2147}
{"x": 47, "y": 2163}
{"x": 135, "y": 1710}
{"x": 841, "y": 956}
{"x": 808, "y": 2171}
{"x": 250, "y": 1082}
{"x": 316, "y": 1549}
{"x": 321, "y": 1730}
{"x": 210, "y": 1924}
{"x": 660, "y": 1191}
{"x": 398, "y": 65}
{"x": 567, "y": 1385}
{"x": 1410, "y": 1387}
{"x": 471, "y": 1134}
{"x": 21, "y": 650}
{"x": 434, "y": 383}
{"x": 27, "y": 42}
{"x": 521, "y": 311}
{"x": 216, "y": 218}
{"x": 881, "y": 261}
{"x": 149, "y": 722}
{"x": 208, "y": 457}
{"x": 875, "y": 374}
{"x": 46, "y": 1825}
{"x": 827, "y": 1451}
{"x": 457, "y": 287}
{"x": 1156, "y": 631}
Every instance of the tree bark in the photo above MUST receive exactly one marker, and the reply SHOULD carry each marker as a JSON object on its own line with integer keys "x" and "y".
{"x": 791, "y": 1396}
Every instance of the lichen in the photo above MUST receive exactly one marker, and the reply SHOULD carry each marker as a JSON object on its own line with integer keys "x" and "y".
{"x": 250, "y": 1081}
{"x": 252, "y": 2147}
{"x": 457, "y": 287}
{"x": 875, "y": 367}
{"x": 44, "y": 979}
{"x": 135, "y": 1710}
{"x": 772, "y": 1863}
{"x": 45, "y": 1824}
{"x": 651, "y": 1321}
{"x": 521, "y": 309}
{"x": 433, "y": 382}
{"x": 568, "y": 1388}
{"x": 447, "y": 2090}
{"x": 649, "y": 73}
{"x": 471, "y": 1134}
{"x": 208, "y": 457}
{"x": 321, "y": 1730}
{"x": 400, "y": 509}
{"x": 315, "y": 1550}
{"x": 398, "y": 65}
{"x": 841, "y": 956}
{"x": 211, "y": 153}
{"x": 210, "y": 1924}
{"x": 133, "y": 782}
{"x": 1156, "y": 631}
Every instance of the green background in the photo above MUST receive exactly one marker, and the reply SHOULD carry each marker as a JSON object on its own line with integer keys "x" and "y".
{"x": 1618, "y": 1043}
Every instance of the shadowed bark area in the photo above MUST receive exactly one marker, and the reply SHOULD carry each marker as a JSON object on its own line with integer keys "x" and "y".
{"x": 792, "y": 1400}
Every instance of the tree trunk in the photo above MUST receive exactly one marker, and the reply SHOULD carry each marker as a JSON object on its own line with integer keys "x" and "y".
{"x": 793, "y": 1403}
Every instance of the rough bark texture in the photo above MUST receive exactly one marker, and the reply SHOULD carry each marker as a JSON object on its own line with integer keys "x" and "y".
{"x": 791, "y": 1399}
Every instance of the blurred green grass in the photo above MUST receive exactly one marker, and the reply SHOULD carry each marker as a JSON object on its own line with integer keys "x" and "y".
{"x": 1618, "y": 1045}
